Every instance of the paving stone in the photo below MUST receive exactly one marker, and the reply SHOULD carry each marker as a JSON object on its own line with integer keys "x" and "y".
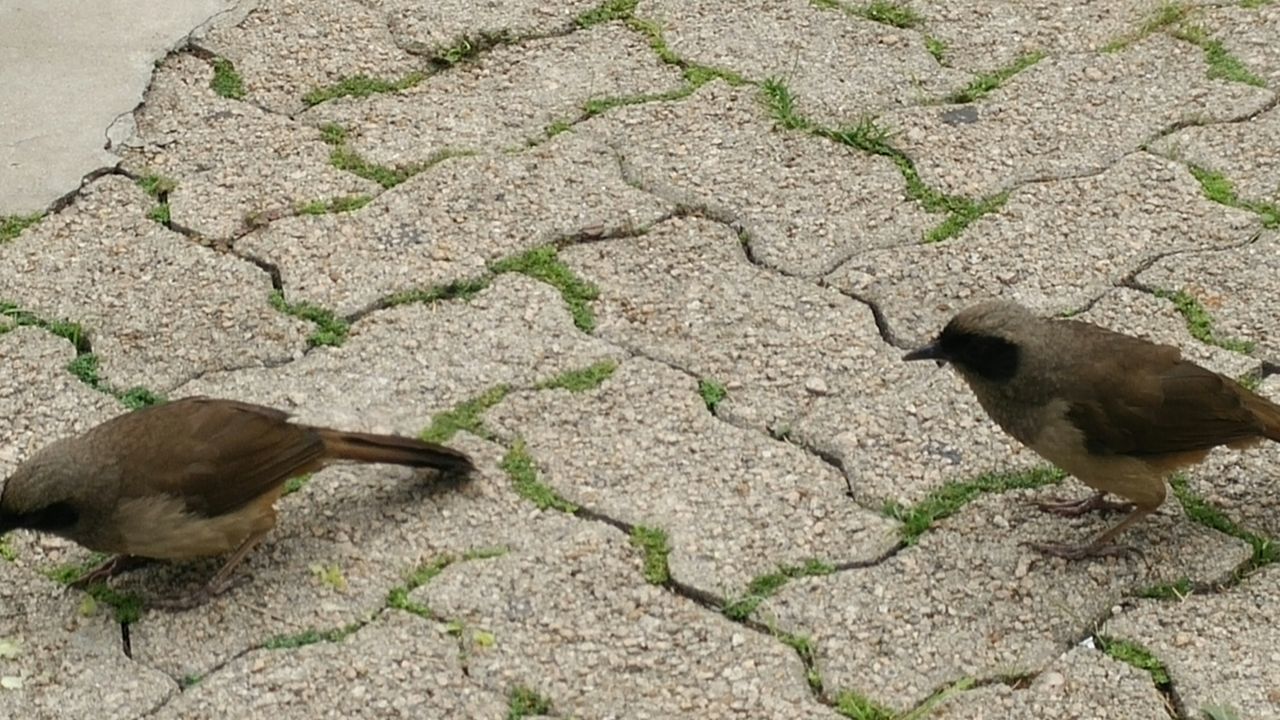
{"x": 445, "y": 224}
{"x": 40, "y": 400}
{"x": 506, "y": 99}
{"x": 643, "y": 449}
{"x": 58, "y": 662}
{"x": 797, "y": 359}
{"x": 1069, "y": 116}
{"x": 576, "y": 622}
{"x": 989, "y": 36}
{"x": 1083, "y": 683}
{"x": 1242, "y": 483}
{"x": 1055, "y": 246}
{"x": 840, "y": 67}
{"x": 157, "y": 307}
{"x": 719, "y": 150}
{"x": 399, "y": 666}
{"x": 1220, "y": 649}
{"x": 231, "y": 160}
{"x": 285, "y": 49}
{"x": 402, "y": 366}
{"x": 1242, "y": 152}
{"x": 428, "y": 28}
{"x": 1248, "y": 34}
{"x": 1236, "y": 286}
{"x": 969, "y": 600}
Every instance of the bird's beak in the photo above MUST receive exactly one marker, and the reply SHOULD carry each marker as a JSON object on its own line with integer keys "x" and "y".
{"x": 928, "y": 352}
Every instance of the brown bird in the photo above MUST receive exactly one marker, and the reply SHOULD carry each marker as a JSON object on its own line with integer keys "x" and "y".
{"x": 197, "y": 477}
{"x": 1118, "y": 412}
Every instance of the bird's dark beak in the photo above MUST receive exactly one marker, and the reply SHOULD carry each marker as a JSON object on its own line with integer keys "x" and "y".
{"x": 929, "y": 352}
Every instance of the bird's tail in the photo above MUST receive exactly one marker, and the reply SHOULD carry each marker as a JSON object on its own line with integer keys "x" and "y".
{"x": 1267, "y": 412}
{"x": 393, "y": 450}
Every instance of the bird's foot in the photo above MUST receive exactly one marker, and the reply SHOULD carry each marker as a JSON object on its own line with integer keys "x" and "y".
{"x": 199, "y": 597}
{"x": 1080, "y": 552}
{"x": 1076, "y": 508}
{"x": 107, "y": 570}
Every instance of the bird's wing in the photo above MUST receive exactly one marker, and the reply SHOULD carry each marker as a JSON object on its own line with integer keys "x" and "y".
{"x": 1139, "y": 398}
{"x": 217, "y": 455}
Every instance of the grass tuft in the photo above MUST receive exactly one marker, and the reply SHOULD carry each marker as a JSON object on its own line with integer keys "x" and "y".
{"x": 519, "y": 466}
{"x": 1137, "y": 656}
{"x": 1219, "y": 189}
{"x": 310, "y": 637}
{"x": 525, "y": 702}
{"x": 226, "y": 80}
{"x": 157, "y": 186}
{"x": 588, "y": 378}
{"x": 987, "y": 83}
{"x": 361, "y": 86}
{"x": 457, "y": 290}
{"x": 765, "y": 586}
{"x": 333, "y": 134}
{"x": 1264, "y": 550}
{"x": 346, "y": 203}
{"x": 890, "y": 13}
{"x": 12, "y": 225}
{"x": 712, "y": 392}
{"x": 330, "y": 331}
{"x": 608, "y": 11}
{"x": 948, "y": 499}
{"x": 464, "y": 416}
{"x": 653, "y": 542}
{"x": 543, "y": 263}
{"x": 936, "y": 48}
{"x": 1222, "y": 64}
{"x": 1200, "y": 323}
{"x": 1170, "y": 591}
{"x": 858, "y": 707}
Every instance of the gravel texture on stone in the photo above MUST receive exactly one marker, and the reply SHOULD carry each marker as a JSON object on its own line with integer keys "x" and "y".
{"x": 1235, "y": 286}
{"x": 839, "y": 66}
{"x": 720, "y": 152}
{"x": 40, "y": 400}
{"x": 970, "y": 600}
{"x": 642, "y": 449}
{"x": 447, "y": 223}
{"x": 401, "y": 367}
{"x": 1242, "y": 153}
{"x": 576, "y": 622}
{"x": 506, "y": 99}
{"x": 157, "y": 308}
{"x": 59, "y": 661}
{"x": 1068, "y": 116}
{"x": 397, "y": 666}
{"x": 285, "y": 49}
{"x": 433, "y": 28}
{"x": 1220, "y": 649}
{"x": 1083, "y": 683}
{"x": 1248, "y": 34}
{"x": 231, "y": 161}
{"x": 1055, "y": 246}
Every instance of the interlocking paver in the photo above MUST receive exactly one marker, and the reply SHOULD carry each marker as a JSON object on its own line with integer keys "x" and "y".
{"x": 507, "y": 98}
{"x": 555, "y": 619}
{"x": 445, "y": 224}
{"x": 720, "y": 150}
{"x": 840, "y": 66}
{"x": 970, "y": 601}
{"x": 157, "y": 308}
{"x": 1219, "y": 649}
{"x": 230, "y": 160}
{"x": 1069, "y": 115}
{"x": 1054, "y": 245}
{"x": 431, "y": 28}
{"x": 734, "y": 503}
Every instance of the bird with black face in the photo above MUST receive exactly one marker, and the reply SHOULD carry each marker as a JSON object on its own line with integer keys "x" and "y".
{"x": 1118, "y": 412}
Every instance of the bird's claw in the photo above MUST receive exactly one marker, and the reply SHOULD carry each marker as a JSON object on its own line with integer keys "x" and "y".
{"x": 199, "y": 597}
{"x": 1076, "y": 508}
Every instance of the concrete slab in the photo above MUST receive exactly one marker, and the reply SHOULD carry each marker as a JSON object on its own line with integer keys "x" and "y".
{"x": 66, "y": 82}
{"x": 431, "y": 28}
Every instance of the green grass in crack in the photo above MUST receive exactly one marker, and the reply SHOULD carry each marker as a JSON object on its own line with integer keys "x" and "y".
{"x": 12, "y": 225}
{"x": 803, "y": 645}
{"x": 1200, "y": 323}
{"x": 330, "y": 329}
{"x": 963, "y": 215}
{"x": 524, "y": 702}
{"x": 1222, "y": 64}
{"x": 294, "y": 484}
{"x": 1168, "y": 591}
{"x": 543, "y": 263}
{"x": 457, "y": 290}
{"x": 86, "y": 369}
{"x": 398, "y": 598}
{"x": 765, "y": 586}
{"x": 346, "y": 203}
{"x": 588, "y": 378}
{"x": 608, "y": 11}
{"x": 333, "y": 133}
{"x": 226, "y": 80}
{"x": 361, "y": 86}
{"x": 157, "y": 185}
{"x": 889, "y": 13}
{"x": 467, "y": 47}
{"x": 712, "y": 392}
{"x": 859, "y": 707}
{"x": 946, "y": 500}
{"x": 65, "y": 329}
{"x": 1264, "y": 551}
{"x": 986, "y": 83}
{"x": 310, "y": 637}
{"x": 7, "y": 553}
{"x": 519, "y": 466}
{"x": 936, "y": 48}
{"x": 127, "y": 606}
{"x": 464, "y": 416}
{"x": 1137, "y": 656}
{"x": 1219, "y": 189}
{"x": 1167, "y": 15}
{"x": 654, "y": 544}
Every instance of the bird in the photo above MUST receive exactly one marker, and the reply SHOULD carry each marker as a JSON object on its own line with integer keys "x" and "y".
{"x": 1118, "y": 412}
{"x": 190, "y": 478}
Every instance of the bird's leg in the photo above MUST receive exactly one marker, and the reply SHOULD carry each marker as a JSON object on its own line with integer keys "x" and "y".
{"x": 220, "y": 582}
{"x": 108, "y": 569}
{"x": 1076, "y": 508}
{"x": 1100, "y": 545}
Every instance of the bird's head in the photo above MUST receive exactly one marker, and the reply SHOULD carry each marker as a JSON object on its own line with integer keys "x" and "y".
{"x": 981, "y": 341}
